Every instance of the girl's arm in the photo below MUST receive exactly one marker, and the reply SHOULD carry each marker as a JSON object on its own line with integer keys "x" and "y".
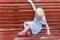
{"x": 48, "y": 31}
{"x": 34, "y": 8}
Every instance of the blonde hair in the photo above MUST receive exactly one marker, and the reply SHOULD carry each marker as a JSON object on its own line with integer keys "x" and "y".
{"x": 40, "y": 11}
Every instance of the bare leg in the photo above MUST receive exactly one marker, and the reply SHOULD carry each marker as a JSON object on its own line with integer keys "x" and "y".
{"x": 25, "y": 25}
{"x": 26, "y": 29}
{"x": 28, "y": 32}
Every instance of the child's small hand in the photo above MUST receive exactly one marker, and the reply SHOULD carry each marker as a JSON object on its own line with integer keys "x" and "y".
{"x": 29, "y": 0}
{"x": 48, "y": 33}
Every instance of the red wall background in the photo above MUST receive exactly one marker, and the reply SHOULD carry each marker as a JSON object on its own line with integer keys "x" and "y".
{"x": 32, "y": 0}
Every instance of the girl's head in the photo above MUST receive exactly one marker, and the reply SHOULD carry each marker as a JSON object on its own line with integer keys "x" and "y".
{"x": 39, "y": 12}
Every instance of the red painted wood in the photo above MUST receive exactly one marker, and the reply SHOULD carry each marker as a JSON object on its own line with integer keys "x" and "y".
{"x": 28, "y": 4}
{"x": 18, "y": 17}
{"x": 13, "y": 15}
{"x": 21, "y": 21}
{"x": 12, "y": 34}
{"x": 32, "y": 0}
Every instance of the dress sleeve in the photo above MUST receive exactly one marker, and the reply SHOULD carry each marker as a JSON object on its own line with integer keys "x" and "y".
{"x": 43, "y": 21}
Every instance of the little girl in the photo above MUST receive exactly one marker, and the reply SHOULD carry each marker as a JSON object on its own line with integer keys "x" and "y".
{"x": 36, "y": 25}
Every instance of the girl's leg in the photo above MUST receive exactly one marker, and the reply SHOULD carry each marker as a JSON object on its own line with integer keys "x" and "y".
{"x": 25, "y": 25}
{"x": 28, "y": 32}
{"x": 26, "y": 28}
{"x": 25, "y": 31}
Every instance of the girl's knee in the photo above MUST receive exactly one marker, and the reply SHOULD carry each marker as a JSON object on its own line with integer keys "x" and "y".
{"x": 25, "y": 24}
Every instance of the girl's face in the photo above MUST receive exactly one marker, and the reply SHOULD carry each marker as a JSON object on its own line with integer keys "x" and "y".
{"x": 39, "y": 16}
{"x": 39, "y": 13}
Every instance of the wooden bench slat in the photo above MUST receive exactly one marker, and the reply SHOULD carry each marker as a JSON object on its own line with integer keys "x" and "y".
{"x": 26, "y": 1}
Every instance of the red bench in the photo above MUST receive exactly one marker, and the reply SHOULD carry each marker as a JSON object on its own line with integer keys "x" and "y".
{"x": 13, "y": 14}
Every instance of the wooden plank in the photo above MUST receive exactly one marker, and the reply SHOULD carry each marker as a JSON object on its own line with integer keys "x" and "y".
{"x": 11, "y": 34}
{"x": 21, "y": 18}
{"x": 40, "y": 36}
{"x": 16, "y": 30}
{"x": 21, "y": 21}
{"x": 23, "y": 14}
{"x": 26, "y": 0}
{"x": 48, "y": 5}
{"x": 29, "y": 7}
{"x": 52, "y": 26}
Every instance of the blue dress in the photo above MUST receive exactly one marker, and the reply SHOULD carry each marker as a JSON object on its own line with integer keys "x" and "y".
{"x": 36, "y": 25}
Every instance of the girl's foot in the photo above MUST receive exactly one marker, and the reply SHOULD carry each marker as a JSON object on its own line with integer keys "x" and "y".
{"x": 22, "y": 34}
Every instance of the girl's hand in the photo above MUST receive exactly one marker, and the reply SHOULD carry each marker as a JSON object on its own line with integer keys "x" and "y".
{"x": 48, "y": 32}
{"x": 29, "y": 0}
